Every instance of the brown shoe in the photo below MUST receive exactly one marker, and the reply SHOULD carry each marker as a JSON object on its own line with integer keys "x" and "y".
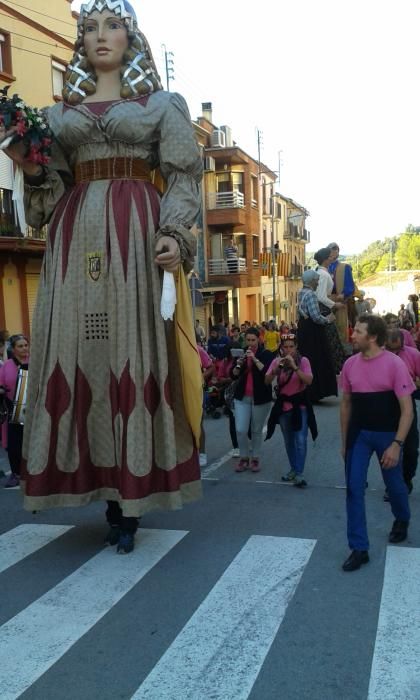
{"x": 242, "y": 465}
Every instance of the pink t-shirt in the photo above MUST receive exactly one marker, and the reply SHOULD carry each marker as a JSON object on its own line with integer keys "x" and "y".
{"x": 223, "y": 368}
{"x": 411, "y": 358}
{"x": 295, "y": 384}
{"x": 385, "y": 372}
{"x": 408, "y": 338}
{"x": 205, "y": 359}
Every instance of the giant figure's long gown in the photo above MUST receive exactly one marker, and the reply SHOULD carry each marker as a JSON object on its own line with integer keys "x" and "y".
{"x": 105, "y": 414}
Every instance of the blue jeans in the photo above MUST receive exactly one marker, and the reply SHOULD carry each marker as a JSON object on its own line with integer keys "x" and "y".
{"x": 357, "y": 463}
{"x": 295, "y": 440}
{"x": 247, "y": 412}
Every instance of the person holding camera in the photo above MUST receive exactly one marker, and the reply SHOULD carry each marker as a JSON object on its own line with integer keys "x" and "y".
{"x": 292, "y": 409}
{"x": 252, "y": 400}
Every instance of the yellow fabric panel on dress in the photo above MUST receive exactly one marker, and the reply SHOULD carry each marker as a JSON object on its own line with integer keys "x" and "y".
{"x": 158, "y": 180}
{"x": 189, "y": 361}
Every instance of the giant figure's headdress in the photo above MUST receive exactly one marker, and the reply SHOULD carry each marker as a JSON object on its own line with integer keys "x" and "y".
{"x": 138, "y": 75}
{"x": 121, "y": 8}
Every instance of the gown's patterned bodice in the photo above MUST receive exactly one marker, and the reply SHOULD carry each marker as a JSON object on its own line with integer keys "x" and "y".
{"x": 156, "y": 129}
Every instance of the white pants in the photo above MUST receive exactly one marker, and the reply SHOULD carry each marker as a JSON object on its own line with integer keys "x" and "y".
{"x": 247, "y": 412}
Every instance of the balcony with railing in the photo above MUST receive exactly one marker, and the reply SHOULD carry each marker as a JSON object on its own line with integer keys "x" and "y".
{"x": 296, "y": 270}
{"x": 220, "y": 266}
{"x": 12, "y": 239}
{"x": 225, "y": 208}
{"x": 296, "y": 233}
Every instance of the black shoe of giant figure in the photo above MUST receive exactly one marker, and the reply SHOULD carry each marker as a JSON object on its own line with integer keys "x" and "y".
{"x": 113, "y": 535}
{"x": 399, "y": 532}
{"x": 355, "y": 560}
{"x": 125, "y": 543}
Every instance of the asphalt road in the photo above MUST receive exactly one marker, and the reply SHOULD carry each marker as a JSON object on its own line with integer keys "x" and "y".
{"x": 240, "y": 595}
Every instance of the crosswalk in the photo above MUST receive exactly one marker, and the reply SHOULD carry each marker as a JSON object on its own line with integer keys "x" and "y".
{"x": 220, "y": 651}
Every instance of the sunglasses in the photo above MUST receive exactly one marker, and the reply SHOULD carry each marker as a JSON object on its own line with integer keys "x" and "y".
{"x": 288, "y": 336}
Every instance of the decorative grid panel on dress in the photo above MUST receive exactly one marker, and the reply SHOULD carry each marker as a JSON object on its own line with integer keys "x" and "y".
{"x": 96, "y": 326}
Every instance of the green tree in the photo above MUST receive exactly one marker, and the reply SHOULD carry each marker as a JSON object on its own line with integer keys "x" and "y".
{"x": 407, "y": 255}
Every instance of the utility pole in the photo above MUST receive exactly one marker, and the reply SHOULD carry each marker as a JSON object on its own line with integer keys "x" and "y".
{"x": 169, "y": 65}
{"x": 259, "y": 142}
{"x": 273, "y": 252}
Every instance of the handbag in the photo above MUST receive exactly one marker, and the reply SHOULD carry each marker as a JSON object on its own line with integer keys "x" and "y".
{"x": 4, "y": 409}
{"x": 230, "y": 393}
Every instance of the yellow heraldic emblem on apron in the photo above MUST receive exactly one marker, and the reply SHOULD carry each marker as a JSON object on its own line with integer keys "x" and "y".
{"x": 94, "y": 265}
{"x": 189, "y": 360}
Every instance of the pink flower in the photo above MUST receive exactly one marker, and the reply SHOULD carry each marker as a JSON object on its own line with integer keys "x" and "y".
{"x": 21, "y": 128}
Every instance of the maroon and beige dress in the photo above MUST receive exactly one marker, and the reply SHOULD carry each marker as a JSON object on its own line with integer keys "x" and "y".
{"x": 105, "y": 414}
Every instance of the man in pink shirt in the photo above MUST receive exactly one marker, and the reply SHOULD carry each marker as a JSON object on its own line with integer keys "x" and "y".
{"x": 376, "y": 413}
{"x": 392, "y": 321}
{"x": 411, "y": 357}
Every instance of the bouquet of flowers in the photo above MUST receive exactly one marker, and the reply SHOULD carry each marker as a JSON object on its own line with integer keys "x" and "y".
{"x": 30, "y": 126}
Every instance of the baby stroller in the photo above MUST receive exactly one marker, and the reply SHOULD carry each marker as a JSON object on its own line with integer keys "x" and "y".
{"x": 213, "y": 400}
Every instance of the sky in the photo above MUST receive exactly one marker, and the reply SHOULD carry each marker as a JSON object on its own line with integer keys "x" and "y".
{"x": 331, "y": 84}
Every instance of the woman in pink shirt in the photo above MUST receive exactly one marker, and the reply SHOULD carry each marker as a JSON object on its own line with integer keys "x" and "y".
{"x": 292, "y": 408}
{"x": 13, "y": 382}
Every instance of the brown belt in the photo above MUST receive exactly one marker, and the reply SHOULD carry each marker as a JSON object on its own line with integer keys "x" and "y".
{"x": 112, "y": 169}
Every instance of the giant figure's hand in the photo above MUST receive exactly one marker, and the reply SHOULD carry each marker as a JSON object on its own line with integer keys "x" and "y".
{"x": 168, "y": 255}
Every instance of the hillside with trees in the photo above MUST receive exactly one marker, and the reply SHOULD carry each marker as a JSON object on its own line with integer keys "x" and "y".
{"x": 400, "y": 252}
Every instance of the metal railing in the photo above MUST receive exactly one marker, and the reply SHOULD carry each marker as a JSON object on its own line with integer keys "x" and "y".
{"x": 225, "y": 200}
{"x": 296, "y": 270}
{"x": 14, "y": 232}
{"x": 219, "y": 266}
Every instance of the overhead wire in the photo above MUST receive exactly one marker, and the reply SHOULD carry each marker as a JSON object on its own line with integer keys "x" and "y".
{"x": 36, "y": 53}
{"x": 37, "y": 12}
{"x": 66, "y": 36}
{"x": 39, "y": 41}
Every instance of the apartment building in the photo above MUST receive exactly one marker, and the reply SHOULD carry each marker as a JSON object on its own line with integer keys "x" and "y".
{"x": 36, "y": 42}
{"x": 232, "y": 201}
{"x": 284, "y": 240}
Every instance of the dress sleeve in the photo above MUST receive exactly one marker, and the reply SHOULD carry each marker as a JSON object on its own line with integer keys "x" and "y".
{"x": 321, "y": 291}
{"x": 43, "y": 194}
{"x": 181, "y": 166}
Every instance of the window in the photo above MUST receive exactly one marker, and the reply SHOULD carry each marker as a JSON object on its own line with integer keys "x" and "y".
{"x": 255, "y": 247}
{"x": 5, "y": 55}
{"x": 228, "y": 182}
{"x": 254, "y": 190}
{"x": 58, "y": 73}
{"x": 2, "y": 46}
{"x": 7, "y": 218}
{"x": 238, "y": 182}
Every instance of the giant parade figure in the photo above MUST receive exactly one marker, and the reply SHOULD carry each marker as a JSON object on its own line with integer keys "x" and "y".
{"x": 108, "y": 416}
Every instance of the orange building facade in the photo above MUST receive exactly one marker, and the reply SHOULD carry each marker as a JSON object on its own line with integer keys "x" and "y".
{"x": 36, "y": 44}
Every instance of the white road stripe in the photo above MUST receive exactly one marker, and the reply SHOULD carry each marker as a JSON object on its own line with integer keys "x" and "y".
{"x": 37, "y": 637}
{"x": 395, "y": 671}
{"x": 220, "y": 651}
{"x": 24, "y": 540}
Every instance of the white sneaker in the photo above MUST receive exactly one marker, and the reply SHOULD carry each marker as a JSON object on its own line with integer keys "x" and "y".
{"x": 235, "y": 452}
{"x": 203, "y": 459}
